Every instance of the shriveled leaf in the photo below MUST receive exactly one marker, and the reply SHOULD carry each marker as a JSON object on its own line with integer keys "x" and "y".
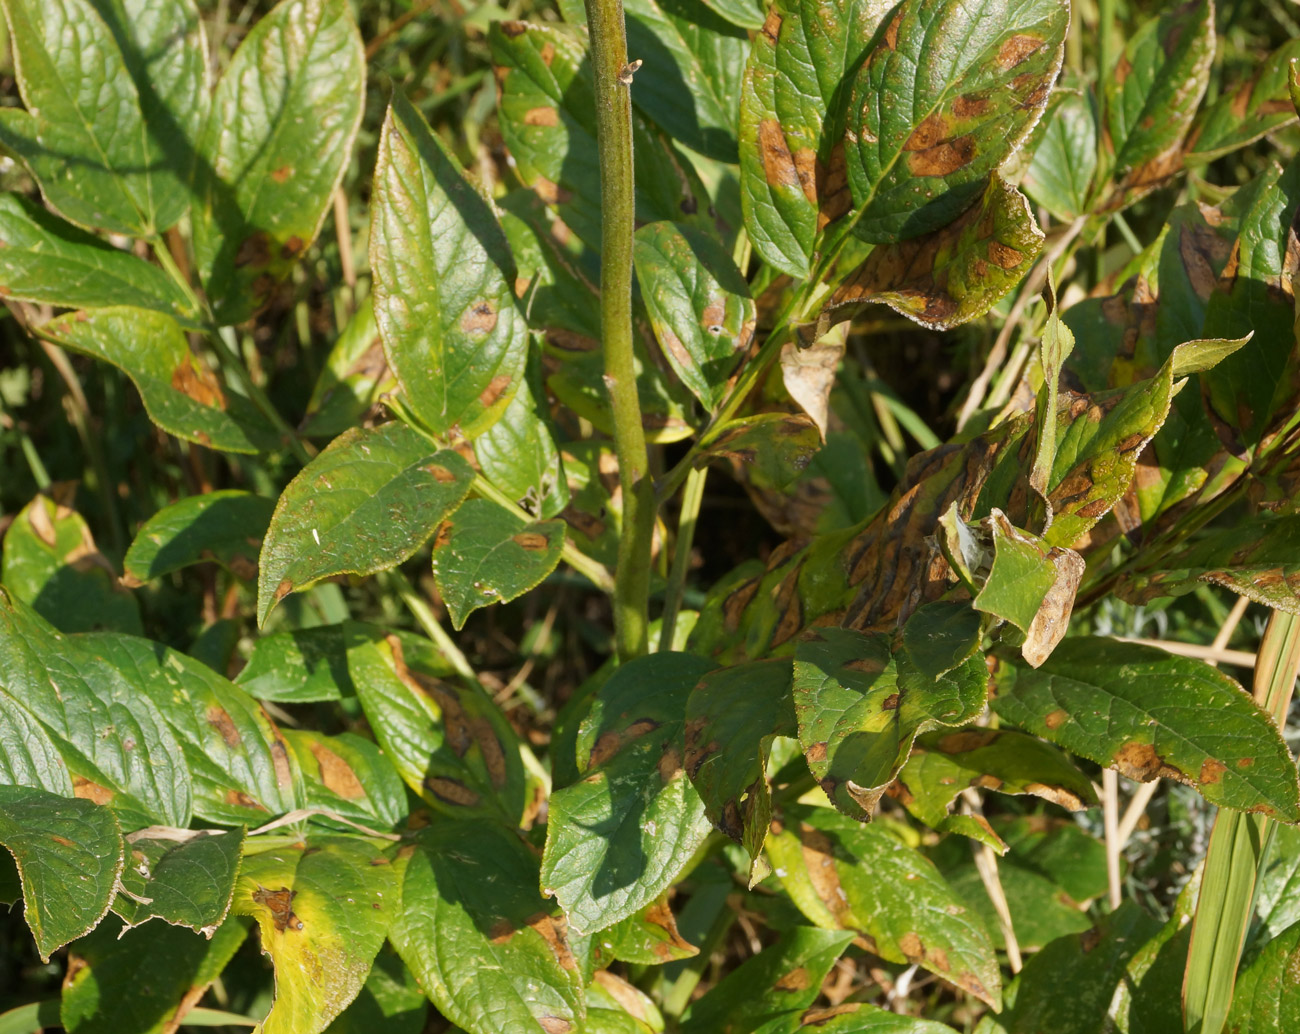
{"x": 180, "y": 392}
{"x": 731, "y": 719}
{"x": 49, "y": 261}
{"x": 324, "y": 908}
{"x": 859, "y": 708}
{"x": 450, "y": 743}
{"x": 1148, "y": 713}
{"x": 485, "y": 554}
{"x": 946, "y": 94}
{"x": 773, "y": 448}
{"x": 616, "y": 1007}
{"x": 1267, "y": 996}
{"x": 483, "y": 942}
{"x": 699, "y": 305}
{"x": 365, "y": 504}
{"x": 349, "y": 776}
{"x": 618, "y": 837}
{"x": 225, "y": 527}
{"x": 1247, "y": 110}
{"x": 184, "y": 881}
{"x": 808, "y": 374}
{"x": 354, "y": 378}
{"x": 276, "y": 144}
{"x": 842, "y": 874}
{"x": 69, "y": 855}
{"x": 51, "y": 562}
{"x": 150, "y": 975}
{"x": 444, "y": 283}
{"x": 1060, "y": 174}
{"x": 792, "y": 174}
{"x": 774, "y": 986}
{"x": 953, "y": 274}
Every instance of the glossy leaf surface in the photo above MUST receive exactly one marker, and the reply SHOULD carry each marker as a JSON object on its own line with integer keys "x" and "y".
{"x": 187, "y": 881}
{"x": 224, "y": 526}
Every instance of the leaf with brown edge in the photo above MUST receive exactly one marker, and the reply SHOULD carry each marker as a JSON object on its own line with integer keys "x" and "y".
{"x": 772, "y": 449}
{"x": 1245, "y": 111}
{"x": 485, "y": 554}
{"x": 953, "y": 274}
{"x": 619, "y": 836}
{"x": 844, "y": 875}
{"x": 1147, "y": 714}
{"x": 350, "y": 776}
{"x": 731, "y": 719}
{"x": 861, "y": 1018}
{"x": 947, "y": 92}
{"x": 648, "y": 938}
{"x": 859, "y": 707}
{"x": 186, "y": 880}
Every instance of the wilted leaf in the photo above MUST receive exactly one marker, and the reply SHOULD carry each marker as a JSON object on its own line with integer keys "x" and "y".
{"x": 620, "y": 835}
{"x": 485, "y": 945}
{"x": 485, "y": 554}
{"x": 225, "y": 527}
{"x": 276, "y": 144}
{"x": 772, "y": 448}
{"x": 324, "y": 908}
{"x": 69, "y": 855}
{"x": 1148, "y": 713}
{"x": 444, "y": 282}
{"x": 180, "y": 392}
{"x": 186, "y": 880}
{"x": 365, "y": 504}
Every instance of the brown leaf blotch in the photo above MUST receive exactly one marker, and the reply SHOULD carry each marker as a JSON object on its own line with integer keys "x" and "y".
{"x": 282, "y": 174}
{"x": 1140, "y": 761}
{"x": 480, "y": 318}
{"x": 970, "y": 106}
{"x": 772, "y": 26}
{"x": 532, "y": 541}
{"x": 778, "y": 163}
{"x": 543, "y": 116}
{"x": 1004, "y": 256}
{"x": 1017, "y": 49}
{"x": 220, "y": 720}
{"x": 335, "y": 773}
{"x": 796, "y": 980}
{"x": 1211, "y": 771}
{"x": 944, "y": 158}
{"x": 449, "y": 791}
{"x": 910, "y": 944}
{"x": 199, "y": 383}
{"x": 1056, "y": 719}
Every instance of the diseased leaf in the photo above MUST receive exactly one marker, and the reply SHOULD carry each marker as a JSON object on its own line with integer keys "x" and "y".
{"x": 69, "y": 855}
{"x": 365, "y": 504}
{"x": 951, "y": 275}
{"x": 1267, "y": 996}
{"x": 616, "y": 1007}
{"x": 48, "y": 261}
{"x": 1245, "y": 111}
{"x": 946, "y": 94}
{"x": 731, "y": 718}
{"x": 182, "y": 880}
{"x": 444, "y": 283}
{"x": 1148, "y": 713}
{"x": 225, "y": 527}
{"x": 842, "y": 874}
{"x": 485, "y": 554}
{"x": 771, "y": 448}
{"x": 51, "y": 562}
{"x": 276, "y": 144}
{"x": 775, "y": 985}
{"x": 354, "y": 378}
{"x": 1060, "y": 174}
{"x": 180, "y": 392}
{"x": 483, "y": 942}
{"x": 648, "y": 938}
{"x": 699, "y": 305}
{"x": 859, "y": 708}
{"x": 324, "y": 908}
{"x": 618, "y": 837}
{"x": 349, "y": 776}
{"x": 861, "y": 1018}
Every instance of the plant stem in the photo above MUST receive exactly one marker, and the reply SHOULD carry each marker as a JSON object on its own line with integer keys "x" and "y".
{"x": 692, "y": 496}
{"x": 396, "y": 583}
{"x": 613, "y": 78}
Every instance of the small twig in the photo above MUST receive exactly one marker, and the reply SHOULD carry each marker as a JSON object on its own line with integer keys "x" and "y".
{"x": 1110, "y": 813}
{"x": 396, "y": 583}
{"x": 394, "y": 27}
{"x": 1240, "y": 658}
{"x": 298, "y": 814}
{"x": 692, "y": 496}
{"x": 343, "y": 232}
{"x": 986, "y": 863}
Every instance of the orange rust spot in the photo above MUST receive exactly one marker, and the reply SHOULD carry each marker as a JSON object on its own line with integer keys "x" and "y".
{"x": 282, "y": 173}
{"x": 1017, "y": 49}
{"x": 493, "y": 391}
{"x": 199, "y": 383}
{"x": 543, "y": 116}
{"x": 1212, "y": 771}
{"x": 1056, "y": 719}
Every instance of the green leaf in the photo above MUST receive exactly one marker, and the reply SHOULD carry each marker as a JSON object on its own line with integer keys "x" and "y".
{"x": 616, "y": 1007}
{"x": 28, "y": 757}
{"x": 1148, "y": 713}
{"x": 768, "y": 991}
{"x": 946, "y": 94}
{"x": 274, "y": 149}
{"x": 699, "y": 305}
{"x": 182, "y": 879}
{"x": 792, "y": 174}
{"x": 518, "y": 453}
{"x": 951, "y": 275}
{"x": 450, "y": 743}
{"x": 473, "y": 928}
{"x": 1267, "y": 997}
{"x": 69, "y": 855}
{"x": 99, "y": 161}
{"x": 748, "y": 14}
{"x": 324, "y": 908}
{"x": 444, "y": 283}
{"x": 48, "y": 261}
{"x": 548, "y": 120}
{"x": 354, "y": 378}
{"x": 859, "y": 708}
{"x": 391, "y": 1002}
{"x": 841, "y": 873}
{"x": 1278, "y": 894}
{"x": 350, "y": 776}
{"x": 180, "y": 393}
{"x": 1152, "y": 94}
{"x": 731, "y": 719}
{"x": 860, "y": 1018}
{"x": 648, "y": 938}
{"x": 486, "y": 554}
{"x": 365, "y": 504}
{"x": 618, "y": 837}
{"x": 146, "y": 975}
{"x": 771, "y": 449}
{"x": 1060, "y": 174}
{"x": 51, "y": 562}
{"x": 1247, "y": 110}
{"x": 224, "y": 526}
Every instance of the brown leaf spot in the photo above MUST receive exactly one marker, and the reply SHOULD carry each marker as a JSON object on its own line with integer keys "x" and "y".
{"x": 280, "y": 760}
{"x": 670, "y": 764}
{"x": 493, "y": 391}
{"x": 282, "y": 174}
{"x": 1004, "y": 256}
{"x": 816, "y": 752}
{"x": 449, "y": 791}
{"x": 772, "y": 26}
{"x": 280, "y": 904}
{"x": 911, "y": 946}
{"x": 444, "y": 535}
{"x": 543, "y": 116}
{"x": 440, "y": 474}
{"x": 1245, "y": 762}
{"x": 890, "y": 703}
{"x": 778, "y": 163}
{"x": 943, "y": 158}
{"x": 658, "y": 914}
{"x": 553, "y": 931}
{"x": 199, "y": 383}
{"x": 608, "y": 744}
{"x": 1141, "y": 762}
{"x": 819, "y": 862}
{"x": 891, "y": 33}
{"x": 220, "y": 720}
{"x": 335, "y": 773}
{"x": 1056, "y": 719}
{"x": 255, "y": 250}
{"x": 480, "y": 318}
{"x": 554, "y": 1025}
{"x": 970, "y": 106}
{"x": 62, "y": 840}
{"x": 242, "y": 800}
{"x": 1211, "y": 771}
{"x": 292, "y": 248}
{"x": 547, "y": 53}
{"x": 513, "y": 29}
{"x": 532, "y": 541}
{"x": 933, "y": 130}
{"x": 796, "y": 980}
{"x": 1017, "y": 49}
{"x": 734, "y": 606}
{"x": 1057, "y": 795}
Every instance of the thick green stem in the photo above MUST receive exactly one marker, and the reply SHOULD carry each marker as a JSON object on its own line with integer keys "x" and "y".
{"x": 613, "y": 79}
{"x": 692, "y": 496}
